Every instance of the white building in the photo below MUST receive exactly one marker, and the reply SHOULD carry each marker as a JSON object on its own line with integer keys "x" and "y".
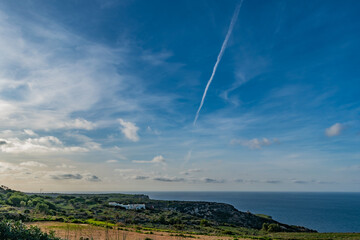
{"x": 128, "y": 206}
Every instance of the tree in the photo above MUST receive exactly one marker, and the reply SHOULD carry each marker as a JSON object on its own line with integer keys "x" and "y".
{"x": 23, "y": 204}
{"x": 42, "y": 207}
{"x": 15, "y": 200}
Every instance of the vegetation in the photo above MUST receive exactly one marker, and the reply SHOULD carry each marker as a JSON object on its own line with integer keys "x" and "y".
{"x": 10, "y": 230}
{"x": 176, "y": 218}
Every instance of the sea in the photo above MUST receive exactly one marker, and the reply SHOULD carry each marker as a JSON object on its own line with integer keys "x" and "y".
{"x": 324, "y": 212}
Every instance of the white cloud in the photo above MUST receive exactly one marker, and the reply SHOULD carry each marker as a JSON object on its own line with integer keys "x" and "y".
{"x": 157, "y": 159}
{"x": 45, "y": 144}
{"x": 126, "y": 170}
{"x": 79, "y": 124}
{"x": 255, "y": 143}
{"x": 32, "y": 164}
{"x": 334, "y": 130}
{"x": 129, "y": 129}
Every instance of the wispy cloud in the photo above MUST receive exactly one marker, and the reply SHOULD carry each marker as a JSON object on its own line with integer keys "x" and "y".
{"x": 79, "y": 124}
{"x": 10, "y": 168}
{"x": 140, "y": 177}
{"x": 187, "y": 157}
{"x": 169, "y": 179}
{"x": 213, "y": 180}
{"x": 112, "y": 161}
{"x": 30, "y": 132}
{"x": 222, "y": 50}
{"x": 156, "y": 58}
{"x": 255, "y": 143}
{"x": 129, "y": 129}
{"x": 63, "y": 165}
{"x": 74, "y": 176}
{"x": 66, "y": 176}
{"x": 190, "y": 171}
{"x": 32, "y": 164}
{"x": 93, "y": 178}
{"x": 46, "y": 69}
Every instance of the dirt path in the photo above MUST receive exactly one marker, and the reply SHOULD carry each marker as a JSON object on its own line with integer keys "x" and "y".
{"x": 73, "y": 231}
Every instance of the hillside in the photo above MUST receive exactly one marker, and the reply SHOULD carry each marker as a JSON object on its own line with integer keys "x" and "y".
{"x": 95, "y": 208}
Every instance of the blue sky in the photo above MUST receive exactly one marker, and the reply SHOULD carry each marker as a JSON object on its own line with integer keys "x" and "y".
{"x": 102, "y": 96}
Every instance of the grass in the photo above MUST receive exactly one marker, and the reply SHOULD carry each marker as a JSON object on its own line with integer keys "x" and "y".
{"x": 133, "y": 232}
{"x": 263, "y": 216}
{"x": 99, "y": 223}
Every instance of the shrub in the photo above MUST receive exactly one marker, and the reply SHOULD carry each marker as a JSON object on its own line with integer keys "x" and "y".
{"x": 17, "y": 230}
{"x": 204, "y": 223}
{"x": 273, "y": 227}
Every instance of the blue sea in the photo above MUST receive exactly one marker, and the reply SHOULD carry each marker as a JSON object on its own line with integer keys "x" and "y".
{"x": 324, "y": 212}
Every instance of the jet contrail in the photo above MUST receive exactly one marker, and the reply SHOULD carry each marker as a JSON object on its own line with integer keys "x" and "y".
{"x": 223, "y": 47}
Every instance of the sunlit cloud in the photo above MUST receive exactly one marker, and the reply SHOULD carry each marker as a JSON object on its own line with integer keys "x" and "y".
{"x": 156, "y": 159}
{"x": 45, "y": 144}
{"x": 129, "y": 129}
{"x": 334, "y": 130}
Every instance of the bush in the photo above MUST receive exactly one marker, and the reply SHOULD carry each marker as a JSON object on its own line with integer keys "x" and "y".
{"x": 273, "y": 227}
{"x": 228, "y": 232}
{"x": 204, "y": 223}
{"x": 18, "y": 231}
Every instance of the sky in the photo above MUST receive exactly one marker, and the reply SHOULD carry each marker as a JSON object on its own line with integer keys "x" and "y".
{"x": 103, "y": 95}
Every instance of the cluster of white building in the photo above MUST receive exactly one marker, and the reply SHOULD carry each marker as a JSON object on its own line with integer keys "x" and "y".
{"x": 128, "y": 206}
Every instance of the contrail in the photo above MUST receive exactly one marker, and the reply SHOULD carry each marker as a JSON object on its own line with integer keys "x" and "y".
{"x": 223, "y": 47}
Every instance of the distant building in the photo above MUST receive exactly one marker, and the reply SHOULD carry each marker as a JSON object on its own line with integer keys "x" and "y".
{"x": 128, "y": 206}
